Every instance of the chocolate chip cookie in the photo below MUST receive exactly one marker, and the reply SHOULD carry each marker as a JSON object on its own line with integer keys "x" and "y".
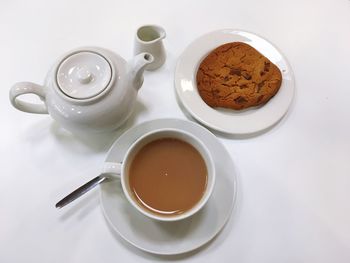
{"x": 236, "y": 76}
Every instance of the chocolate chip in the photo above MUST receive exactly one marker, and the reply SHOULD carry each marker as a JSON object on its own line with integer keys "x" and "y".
{"x": 259, "y": 86}
{"x": 226, "y": 78}
{"x": 235, "y": 71}
{"x": 246, "y": 75}
{"x": 260, "y": 98}
{"x": 240, "y": 99}
{"x": 244, "y": 86}
{"x": 267, "y": 66}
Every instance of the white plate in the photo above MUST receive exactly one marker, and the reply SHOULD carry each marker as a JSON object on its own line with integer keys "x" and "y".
{"x": 170, "y": 238}
{"x": 229, "y": 121}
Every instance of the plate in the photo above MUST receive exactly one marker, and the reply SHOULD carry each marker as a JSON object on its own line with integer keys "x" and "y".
{"x": 169, "y": 238}
{"x": 229, "y": 121}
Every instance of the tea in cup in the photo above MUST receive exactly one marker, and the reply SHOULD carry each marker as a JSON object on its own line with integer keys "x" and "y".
{"x": 167, "y": 174}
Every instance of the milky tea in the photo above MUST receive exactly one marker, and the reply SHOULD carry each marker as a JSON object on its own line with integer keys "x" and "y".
{"x": 168, "y": 176}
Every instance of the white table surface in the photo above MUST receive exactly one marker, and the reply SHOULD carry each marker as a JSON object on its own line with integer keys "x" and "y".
{"x": 294, "y": 180}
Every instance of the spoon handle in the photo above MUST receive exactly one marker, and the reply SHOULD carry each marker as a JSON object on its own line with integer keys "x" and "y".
{"x": 81, "y": 190}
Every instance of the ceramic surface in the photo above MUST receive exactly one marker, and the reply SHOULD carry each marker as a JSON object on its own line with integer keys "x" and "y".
{"x": 120, "y": 170}
{"x": 171, "y": 237}
{"x": 102, "y": 97}
{"x": 149, "y": 38}
{"x": 247, "y": 121}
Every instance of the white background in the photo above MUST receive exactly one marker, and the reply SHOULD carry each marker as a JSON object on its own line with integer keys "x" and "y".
{"x": 294, "y": 180}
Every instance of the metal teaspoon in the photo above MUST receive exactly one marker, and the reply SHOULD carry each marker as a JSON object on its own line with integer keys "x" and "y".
{"x": 81, "y": 190}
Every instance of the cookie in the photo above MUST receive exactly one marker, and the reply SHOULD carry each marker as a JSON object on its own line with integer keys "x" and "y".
{"x": 236, "y": 76}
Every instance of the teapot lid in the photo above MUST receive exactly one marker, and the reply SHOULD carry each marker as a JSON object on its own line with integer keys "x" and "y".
{"x": 83, "y": 75}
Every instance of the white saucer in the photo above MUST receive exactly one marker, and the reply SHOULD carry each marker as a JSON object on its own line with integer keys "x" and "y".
{"x": 229, "y": 121}
{"x": 169, "y": 238}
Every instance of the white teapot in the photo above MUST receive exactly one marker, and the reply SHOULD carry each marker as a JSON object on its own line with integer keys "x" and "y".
{"x": 88, "y": 89}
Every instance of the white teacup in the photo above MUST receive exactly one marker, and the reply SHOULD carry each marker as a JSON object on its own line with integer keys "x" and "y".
{"x": 121, "y": 170}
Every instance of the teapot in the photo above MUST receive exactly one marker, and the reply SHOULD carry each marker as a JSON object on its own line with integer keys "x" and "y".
{"x": 87, "y": 89}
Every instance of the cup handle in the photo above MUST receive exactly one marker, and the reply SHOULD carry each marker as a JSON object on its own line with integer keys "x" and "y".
{"x": 111, "y": 168}
{"x": 28, "y": 88}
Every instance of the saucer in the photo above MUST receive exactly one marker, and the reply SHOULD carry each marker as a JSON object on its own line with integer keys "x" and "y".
{"x": 229, "y": 121}
{"x": 169, "y": 238}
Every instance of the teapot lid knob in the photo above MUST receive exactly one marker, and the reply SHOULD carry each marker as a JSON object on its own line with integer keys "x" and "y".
{"x": 84, "y": 74}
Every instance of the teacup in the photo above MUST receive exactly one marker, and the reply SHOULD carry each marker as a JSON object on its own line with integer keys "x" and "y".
{"x": 164, "y": 171}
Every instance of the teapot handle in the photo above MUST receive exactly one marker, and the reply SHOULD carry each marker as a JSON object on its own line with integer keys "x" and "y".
{"x": 24, "y": 88}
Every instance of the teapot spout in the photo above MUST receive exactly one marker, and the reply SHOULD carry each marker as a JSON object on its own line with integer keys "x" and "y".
{"x": 137, "y": 67}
